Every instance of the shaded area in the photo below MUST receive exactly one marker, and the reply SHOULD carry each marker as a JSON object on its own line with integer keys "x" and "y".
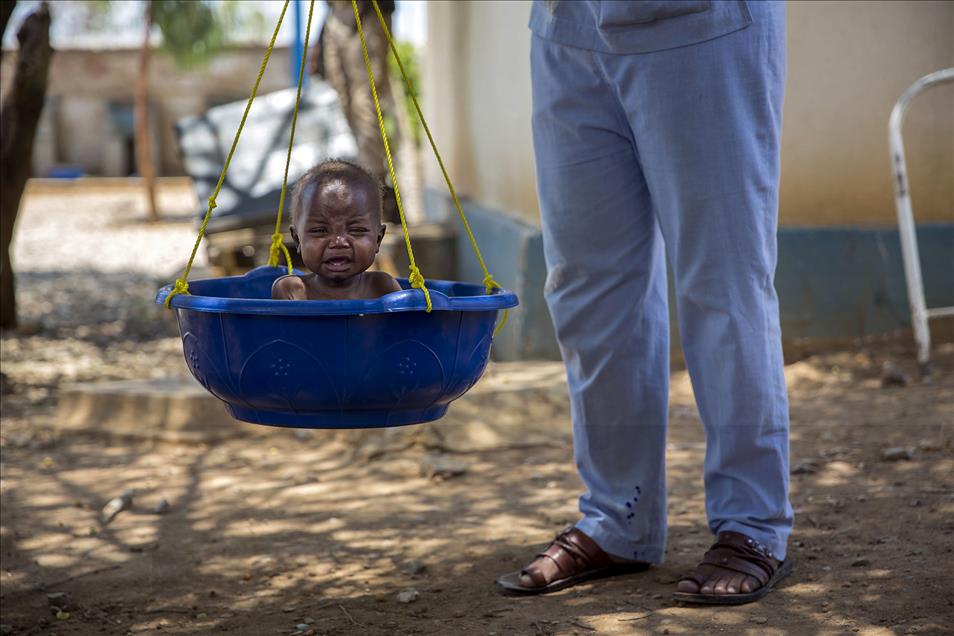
{"x": 266, "y": 532}
{"x": 263, "y": 534}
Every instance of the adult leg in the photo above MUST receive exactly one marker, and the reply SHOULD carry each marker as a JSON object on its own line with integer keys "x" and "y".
{"x": 606, "y": 290}
{"x": 706, "y": 119}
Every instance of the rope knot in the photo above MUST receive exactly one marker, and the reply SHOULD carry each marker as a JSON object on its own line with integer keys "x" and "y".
{"x": 278, "y": 244}
{"x": 490, "y": 283}
{"x": 181, "y": 287}
{"x": 416, "y": 279}
{"x": 212, "y": 203}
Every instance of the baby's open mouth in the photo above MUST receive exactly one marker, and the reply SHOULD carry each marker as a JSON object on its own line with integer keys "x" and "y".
{"x": 336, "y": 263}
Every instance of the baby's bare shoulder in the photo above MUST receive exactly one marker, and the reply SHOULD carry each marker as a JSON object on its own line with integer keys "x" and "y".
{"x": 382, "y": 283}
{"x": 289, "y": 287}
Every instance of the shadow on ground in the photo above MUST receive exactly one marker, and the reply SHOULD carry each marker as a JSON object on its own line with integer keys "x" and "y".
{"x": 266, "y": 534}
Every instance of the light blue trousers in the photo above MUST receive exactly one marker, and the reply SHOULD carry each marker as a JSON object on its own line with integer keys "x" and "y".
{"x": 677, "y": 152}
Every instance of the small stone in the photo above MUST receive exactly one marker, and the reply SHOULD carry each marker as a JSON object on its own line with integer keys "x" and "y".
{"x": 928, "y": 446}
{"x": 415, "y": 568}
{"x": 61, "y": 615}
{"x": 434, "y": 465}
{"x": 896, "y": 453}
{"x": 761, "y": 620}
{"x": 303, "y": 627}
{"x": 161, "y": 508}
{"x": 59, "y": 600}
{"x": 860, "y": 563}
{"x": 657, "y": 596}
{"x": 288, "y": 609}
{"x": 201, "y": 615}
{"x": 809, "y": 467}
{"x": 408, "y": 596}
{"x": 117, "y": 505}
{"x": 891, "y": 375}
{"x": 308, "y": 620}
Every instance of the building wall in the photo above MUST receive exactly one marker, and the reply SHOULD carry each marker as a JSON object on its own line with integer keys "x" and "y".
{"x": 848, "y": 64}
{"x": 839, "y": 275}
{"x": 77, "y": 128}
{"x": 476, "y": 76}
{"x": 849, "y": 61}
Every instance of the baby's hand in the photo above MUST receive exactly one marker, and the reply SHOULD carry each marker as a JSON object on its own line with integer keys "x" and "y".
{"x": 289, "y": 288}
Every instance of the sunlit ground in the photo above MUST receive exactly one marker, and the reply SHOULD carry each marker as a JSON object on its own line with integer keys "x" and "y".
{"x": 274, "y": 531}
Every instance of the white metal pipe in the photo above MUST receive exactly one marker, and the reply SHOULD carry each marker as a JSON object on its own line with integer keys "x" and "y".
{"x": 940, "y": 312}
{"x": 906, "y": 226}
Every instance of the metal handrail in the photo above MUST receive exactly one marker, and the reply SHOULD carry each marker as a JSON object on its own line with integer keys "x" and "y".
{"x": 920, "y": 313}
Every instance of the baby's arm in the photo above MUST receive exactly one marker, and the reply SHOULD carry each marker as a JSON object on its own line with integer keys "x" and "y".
{"x": 289, "y": 288}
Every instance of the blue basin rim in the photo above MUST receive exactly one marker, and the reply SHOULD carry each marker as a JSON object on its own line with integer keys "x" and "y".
{"x": 445, "y": 296}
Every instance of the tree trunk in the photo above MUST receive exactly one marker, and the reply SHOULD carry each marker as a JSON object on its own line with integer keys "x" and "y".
{"x": 6, "y": 10}
{"x": 21, "y": 115}
{"x": 147, "y": 171}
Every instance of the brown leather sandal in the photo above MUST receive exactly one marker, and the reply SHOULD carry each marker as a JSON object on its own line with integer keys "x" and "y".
{"x": 736, "y": 553}
{"x": 577, "y": 558}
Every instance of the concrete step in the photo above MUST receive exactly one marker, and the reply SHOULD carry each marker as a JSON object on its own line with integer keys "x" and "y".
{"x": 514, "y": 404}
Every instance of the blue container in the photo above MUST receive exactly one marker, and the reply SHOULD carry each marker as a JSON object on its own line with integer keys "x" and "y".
{"x": 335, "y": 364}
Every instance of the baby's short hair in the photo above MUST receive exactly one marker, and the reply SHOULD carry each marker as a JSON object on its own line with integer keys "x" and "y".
{"x": 353, "y": 174}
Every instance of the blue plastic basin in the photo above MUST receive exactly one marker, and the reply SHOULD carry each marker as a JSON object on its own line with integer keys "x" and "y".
{"x": 335, "y": 364}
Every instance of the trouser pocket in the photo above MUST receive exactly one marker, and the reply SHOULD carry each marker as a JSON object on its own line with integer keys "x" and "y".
{"x": 621, "y": 13}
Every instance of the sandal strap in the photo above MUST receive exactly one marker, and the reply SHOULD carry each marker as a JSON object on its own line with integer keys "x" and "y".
{"x": 572, "y": 552}
{"x": 727, "y": 559}
{"x": 738, "y": 553}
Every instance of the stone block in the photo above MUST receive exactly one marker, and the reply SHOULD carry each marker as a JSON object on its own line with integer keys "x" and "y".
{"x": 514, "y": 404}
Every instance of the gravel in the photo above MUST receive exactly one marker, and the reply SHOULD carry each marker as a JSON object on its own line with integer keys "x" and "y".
{"x": 87, "y": 267}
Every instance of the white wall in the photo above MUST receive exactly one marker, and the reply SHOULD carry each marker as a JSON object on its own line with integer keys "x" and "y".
{"x": 848, "y": 63}
{"x": 477, "y": 100}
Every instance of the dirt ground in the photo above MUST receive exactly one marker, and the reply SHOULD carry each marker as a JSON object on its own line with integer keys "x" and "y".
{"x": 288, "y": 533}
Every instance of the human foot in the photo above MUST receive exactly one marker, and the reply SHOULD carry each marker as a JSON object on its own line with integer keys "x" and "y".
{"x": 735, "y": 570}
{"x": 571, "y": 558}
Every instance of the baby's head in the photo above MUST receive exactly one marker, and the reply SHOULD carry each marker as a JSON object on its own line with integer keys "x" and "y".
{"x": 336, "y": 219}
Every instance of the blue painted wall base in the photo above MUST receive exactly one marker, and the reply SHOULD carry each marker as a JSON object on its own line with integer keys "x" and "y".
{"x": 834, "y": 283}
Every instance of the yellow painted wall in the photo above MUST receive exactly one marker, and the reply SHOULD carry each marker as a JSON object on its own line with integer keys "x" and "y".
{"x": 848, "y": 63}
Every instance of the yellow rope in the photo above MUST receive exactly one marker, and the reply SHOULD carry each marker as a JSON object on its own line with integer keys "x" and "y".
{"x": 415, "y": 278}
{"x": 182, "y": 284}
{"x": 277, "y": 242}
{"x": 489, "y": 283}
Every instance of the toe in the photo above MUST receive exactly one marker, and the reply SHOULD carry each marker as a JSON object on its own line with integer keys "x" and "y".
{"x": 721, "y": 585}
{"x": 735, "y": 584}
{"x": 688, "y": 586}
{"x": 749, "y": 585}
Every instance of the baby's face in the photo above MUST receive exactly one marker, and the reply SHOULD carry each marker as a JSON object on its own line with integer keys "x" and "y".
{"x": 338, "y": 230}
